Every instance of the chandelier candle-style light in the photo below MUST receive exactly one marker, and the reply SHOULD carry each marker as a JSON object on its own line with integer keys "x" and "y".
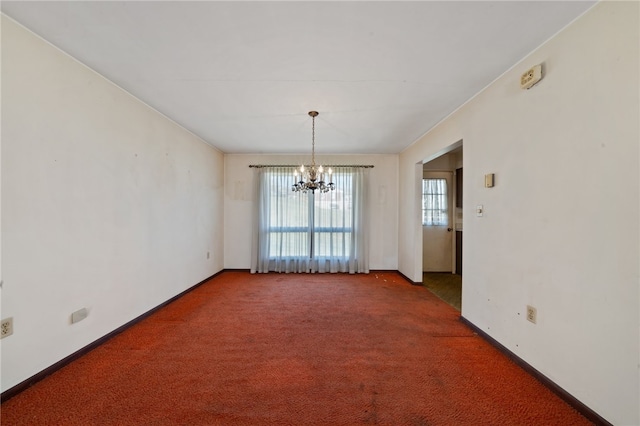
{"x": 312, "y": 178}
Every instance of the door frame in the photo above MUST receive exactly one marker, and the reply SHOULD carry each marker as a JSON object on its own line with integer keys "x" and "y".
{"x": 419, "y": 171}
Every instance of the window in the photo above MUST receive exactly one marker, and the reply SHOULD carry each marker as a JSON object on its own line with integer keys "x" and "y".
{"x": 309, "y": 224}
{"x": 434, "y": 202}
{"x": 321, "y": 232}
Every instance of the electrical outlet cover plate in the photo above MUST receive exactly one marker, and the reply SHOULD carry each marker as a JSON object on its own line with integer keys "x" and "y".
{"x": 6, "y": 327}
{"x": 532, "y": 314}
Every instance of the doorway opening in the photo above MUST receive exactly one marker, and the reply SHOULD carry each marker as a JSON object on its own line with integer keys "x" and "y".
{"x": 442, "y": 228}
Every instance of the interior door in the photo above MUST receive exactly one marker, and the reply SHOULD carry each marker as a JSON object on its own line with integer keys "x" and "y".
{"x": 437, "y": 227}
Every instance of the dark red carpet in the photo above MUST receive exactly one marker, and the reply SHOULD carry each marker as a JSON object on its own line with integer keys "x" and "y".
{"x": 294, "y": 350}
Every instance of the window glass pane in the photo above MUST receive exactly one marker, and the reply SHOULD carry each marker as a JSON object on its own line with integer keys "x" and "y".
{"x": 434, "y": 202}
{"x": 294, "y": 217}
{"x": 288, "y": 217}
{"x": 333, "y": 218}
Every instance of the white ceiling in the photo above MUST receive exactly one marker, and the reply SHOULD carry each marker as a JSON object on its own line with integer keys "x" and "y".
{"x": 243, "y": 75}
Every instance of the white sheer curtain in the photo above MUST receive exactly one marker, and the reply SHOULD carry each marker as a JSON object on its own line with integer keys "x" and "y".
{"x": 283, "y": 231}
{"x": 296, "y": 232}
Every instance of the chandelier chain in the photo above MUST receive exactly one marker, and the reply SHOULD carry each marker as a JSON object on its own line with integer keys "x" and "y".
{"x": 313, "y": 140}
{"x": 313, "y": 178}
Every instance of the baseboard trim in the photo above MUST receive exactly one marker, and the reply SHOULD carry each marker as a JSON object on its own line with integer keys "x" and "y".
{"x": 15, "y": 390}
{"x": 563, "y": 394}
{"x": 408, "y": 279}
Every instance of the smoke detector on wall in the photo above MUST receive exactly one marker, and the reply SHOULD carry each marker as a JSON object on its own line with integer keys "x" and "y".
{"x": 531, "y": 77}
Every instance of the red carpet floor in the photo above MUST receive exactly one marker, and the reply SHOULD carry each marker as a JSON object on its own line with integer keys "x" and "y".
{"x": 294, "y": 350}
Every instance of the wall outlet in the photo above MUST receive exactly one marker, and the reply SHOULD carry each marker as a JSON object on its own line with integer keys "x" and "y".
{"x": 6, "y": 327}
{"x": 208, "y": 255}
{"x": 532, "y": 314}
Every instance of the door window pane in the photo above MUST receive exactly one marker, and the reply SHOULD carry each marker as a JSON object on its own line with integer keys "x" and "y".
{"x": 434, "y": 202}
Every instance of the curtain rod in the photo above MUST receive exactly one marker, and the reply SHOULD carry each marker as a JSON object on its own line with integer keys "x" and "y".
{"x": 262, "y": 166}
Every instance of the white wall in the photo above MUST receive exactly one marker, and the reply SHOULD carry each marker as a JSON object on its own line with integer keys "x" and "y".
{"x": 561, "y": 227}
{"x": 445, "y": 162}
{"x": 383, "y": 204}
{"x": 106, "y": 204}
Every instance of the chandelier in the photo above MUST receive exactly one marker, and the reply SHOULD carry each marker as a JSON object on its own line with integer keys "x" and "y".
{"x": 313, "y": 177}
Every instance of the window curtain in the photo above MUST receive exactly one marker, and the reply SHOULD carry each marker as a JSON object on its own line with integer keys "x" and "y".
{"x": 321, "y": 232}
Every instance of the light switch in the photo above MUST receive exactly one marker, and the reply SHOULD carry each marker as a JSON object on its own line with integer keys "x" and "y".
{"x": 479, "y": 211}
